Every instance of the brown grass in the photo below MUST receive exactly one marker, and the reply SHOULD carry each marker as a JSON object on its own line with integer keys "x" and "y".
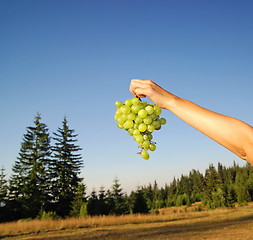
{"x": 171, "y": 223}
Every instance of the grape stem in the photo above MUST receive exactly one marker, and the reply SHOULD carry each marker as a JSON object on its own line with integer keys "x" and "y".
{"x": 138, "y": 98}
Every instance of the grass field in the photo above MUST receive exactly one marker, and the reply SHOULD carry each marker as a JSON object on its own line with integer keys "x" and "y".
{"x": 171, "y": 223}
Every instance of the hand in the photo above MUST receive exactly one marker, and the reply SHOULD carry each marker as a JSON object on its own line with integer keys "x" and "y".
{"x": 147, "y": 88}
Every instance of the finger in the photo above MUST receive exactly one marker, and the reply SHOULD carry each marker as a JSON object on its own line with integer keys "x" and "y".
{"x": 134, "y": 84}
{"x": 139, "y": 93}
{"x": 140, "y": 82}
{"x": 132, "y": 89}
{"x": 140, "y": 88}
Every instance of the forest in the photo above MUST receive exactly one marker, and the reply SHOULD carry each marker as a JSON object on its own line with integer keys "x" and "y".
{"x": 46, "y": 183}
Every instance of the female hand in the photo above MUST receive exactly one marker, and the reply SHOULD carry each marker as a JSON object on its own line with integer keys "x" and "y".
{"x": 147, "y": 88}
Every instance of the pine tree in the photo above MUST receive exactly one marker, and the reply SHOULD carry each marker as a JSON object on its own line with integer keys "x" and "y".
{"x": 3, "y": 187}
{"x": 241, "y": 186}
{"x": 109, "y": 201}
{"x": 211, "y": 182}
{"x": 30, "y": 181}
{"x": 155, "y": 197}
{"x": 148, "y": 193}
{"x": 172, "y": 189}
{"x": 197, "y": 180}
{"x": 3, "y": 196}
{"x": 103, "y": 203}
{"x": 93, "y": 205}
{"x": 250, "y": 180}
{"x": 79, "y": 202}
{"x": 66, "y": 166}
{"x": 139, "y": 202}
{"x": 119, "y": 200}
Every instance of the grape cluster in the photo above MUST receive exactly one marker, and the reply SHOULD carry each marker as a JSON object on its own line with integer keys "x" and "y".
{"x": 140, "y": 119}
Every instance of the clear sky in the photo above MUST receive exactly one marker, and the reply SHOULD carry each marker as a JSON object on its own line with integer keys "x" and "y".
{"x": 76, "y": 58}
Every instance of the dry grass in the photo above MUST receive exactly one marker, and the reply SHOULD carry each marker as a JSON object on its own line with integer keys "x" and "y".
{"x": 171, "y": 223}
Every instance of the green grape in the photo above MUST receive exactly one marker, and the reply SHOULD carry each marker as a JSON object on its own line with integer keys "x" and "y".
{"x": 152, "y": 147}
{"x": 147, "y": 120}
{"x": 120, "y": 125}
{"x": 157, "y": 110}
{"x": 156, "y": 124}
{"x": 136, "y": 132}
{"x": 124, "y": 117}
{"x": 146, "y": 144}
{"x": 149, "y": 109}
{"x": 142, "y": 105}
{"x": 135, "y": 108}
{"x": 128, "y": 102}
{"x": 145, "y": 154}
{"x": 138, "y": 138}
{"x": 131, "y": 116}
{"x": 118, "y": 113}
{"x": 128, "y": 124}
{"x": 125, "y": 109}
{"x": 136, "y": 125}
{"x": 163, "y": 121}
{"x": 151, "y": 128}
{"x": 118, "y": 104}
{"x": 130, "y": 131}
{"x": 142, "y": 127}
{"x": 153, "y": 116}
{"x": 138, "y": 120}
{"x": 158, "y": 128}
{"x": 135, "y": 100}
{"x": 121, "y": 120}
{"x": 142, "y": 113}
{"x": 145, "y": 137}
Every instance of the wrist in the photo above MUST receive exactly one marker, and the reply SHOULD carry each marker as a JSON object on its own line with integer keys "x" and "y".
{"x": 171, "y": 101}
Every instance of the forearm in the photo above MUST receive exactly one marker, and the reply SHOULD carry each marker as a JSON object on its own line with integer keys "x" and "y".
{"x": 231, "y": 133}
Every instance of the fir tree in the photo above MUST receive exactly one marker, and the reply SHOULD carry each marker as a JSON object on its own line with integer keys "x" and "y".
{"x": 211, "y": 181}
{"x": 79, "y": 202}
{"x": 241, "y": 187}
{"x": 66, "y": 166}
{"x": 119, "y": 200}
{"x": 155, "y": 197}
{"x": 148, "y": 193}
{"x": 197, "y": 180}
{"x": 139, "y": 202}
{"x": 250, "y": 180}
{"x": 3, "y": 196}
{"x": 92, "y": 206}
{"x": 30, "y": 182}
{"x": 3, "y": 187}
{"x": 172, "y": 189}
{"x": 103, "y": 203}
{"x": 109, "y": 201}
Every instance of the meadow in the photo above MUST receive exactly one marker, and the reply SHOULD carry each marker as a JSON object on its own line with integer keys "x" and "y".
{"x": 171, "y": 223}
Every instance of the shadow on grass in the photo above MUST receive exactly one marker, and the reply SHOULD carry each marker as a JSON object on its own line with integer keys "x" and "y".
{"x": 166, "y": 230}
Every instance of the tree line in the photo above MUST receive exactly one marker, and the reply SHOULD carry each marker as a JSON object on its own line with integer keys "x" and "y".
{"x": 46, "y": 182}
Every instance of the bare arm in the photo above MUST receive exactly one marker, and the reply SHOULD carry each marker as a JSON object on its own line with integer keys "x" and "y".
{"x": 233, "y": 134}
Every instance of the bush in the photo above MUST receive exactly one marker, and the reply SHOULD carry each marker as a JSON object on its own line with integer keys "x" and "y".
{"x": 83, "y": 210}
{"x": 47, "y": 215}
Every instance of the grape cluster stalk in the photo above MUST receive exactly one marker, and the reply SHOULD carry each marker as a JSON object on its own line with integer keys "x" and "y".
{"x": 140, "y": 119}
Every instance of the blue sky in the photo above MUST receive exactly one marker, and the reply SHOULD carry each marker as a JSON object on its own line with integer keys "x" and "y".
{"x": 76, "y": 58}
